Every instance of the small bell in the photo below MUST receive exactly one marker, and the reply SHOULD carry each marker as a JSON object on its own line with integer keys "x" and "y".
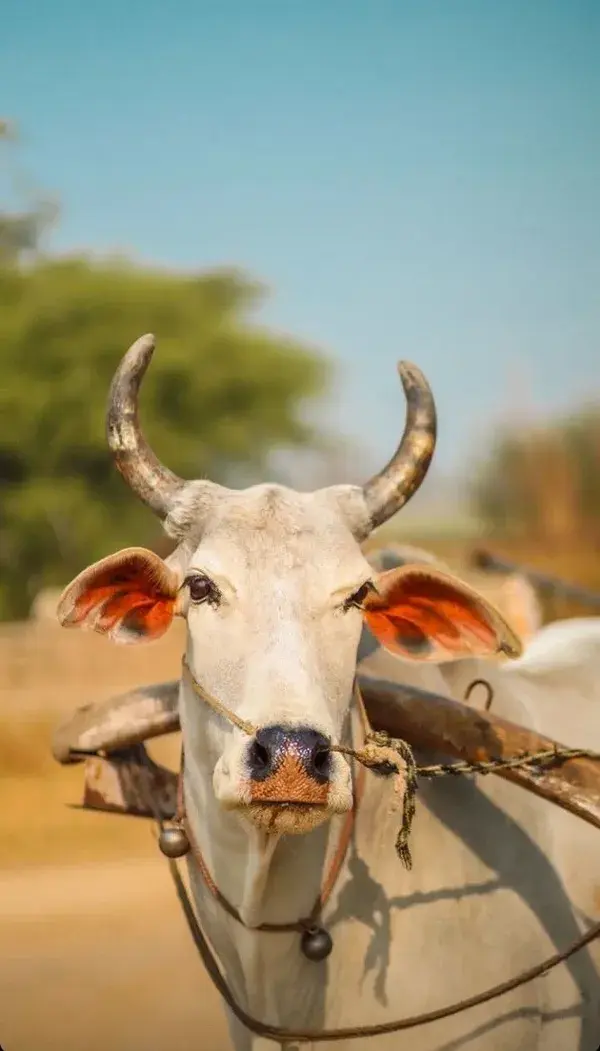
{"x": 316, "y": 944}
{"x": 173, "y": 841}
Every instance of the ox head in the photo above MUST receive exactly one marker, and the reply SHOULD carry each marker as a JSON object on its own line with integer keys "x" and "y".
{"x": 275, "y": 590}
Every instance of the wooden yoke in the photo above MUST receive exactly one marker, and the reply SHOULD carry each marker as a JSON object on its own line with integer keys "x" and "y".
{"x": 425, "y": 720}
{"x": 434, "y": 723}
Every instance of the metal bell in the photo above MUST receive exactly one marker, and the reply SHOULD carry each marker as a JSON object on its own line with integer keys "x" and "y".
{"x": 316, "y": 944}
{"x": 173, "y": 841}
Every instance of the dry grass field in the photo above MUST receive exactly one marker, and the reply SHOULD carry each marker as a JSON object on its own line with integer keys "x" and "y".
{"x": 95, "y": 952}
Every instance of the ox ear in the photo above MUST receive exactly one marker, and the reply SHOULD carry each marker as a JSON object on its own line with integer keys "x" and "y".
{"x": 423, "y": 614}
{"x": 130, "y": 596}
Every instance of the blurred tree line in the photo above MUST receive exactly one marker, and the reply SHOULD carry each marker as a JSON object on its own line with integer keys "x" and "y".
{"x": 221, "y": 393}
{"x": 543, "y": 483}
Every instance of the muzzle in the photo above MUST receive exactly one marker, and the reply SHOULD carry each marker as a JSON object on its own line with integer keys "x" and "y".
{"x": 291, "y": 767}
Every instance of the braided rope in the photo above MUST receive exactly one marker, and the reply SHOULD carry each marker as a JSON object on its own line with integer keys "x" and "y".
{"x": 392, "y": 757}
{"x": 543, "y": 758}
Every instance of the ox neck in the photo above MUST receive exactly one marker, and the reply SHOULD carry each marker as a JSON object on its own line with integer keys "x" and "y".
{"x": 268, "y": 879}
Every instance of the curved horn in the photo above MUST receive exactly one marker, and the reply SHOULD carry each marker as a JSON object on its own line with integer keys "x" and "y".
{"x": 389, "y": 490}
{"x": 142, "y": 471}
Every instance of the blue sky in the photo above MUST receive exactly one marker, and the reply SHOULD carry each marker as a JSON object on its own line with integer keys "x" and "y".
{"x": 417, "y": 180}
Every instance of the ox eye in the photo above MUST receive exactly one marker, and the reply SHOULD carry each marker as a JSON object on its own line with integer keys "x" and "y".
{"x": 359, "y": 596}
{"x": 202, "y": 589}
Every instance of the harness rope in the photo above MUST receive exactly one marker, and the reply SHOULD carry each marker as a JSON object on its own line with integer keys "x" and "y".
{"x": 306, "y": 924}
{"x": 392, "y": 757}
{"x": 380, "y": 753}
{"x": 385, "y": 756}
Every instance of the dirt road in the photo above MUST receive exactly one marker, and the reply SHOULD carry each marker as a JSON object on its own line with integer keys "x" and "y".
{"x": 98, "y": 956}
{"x": 94, "y": 950}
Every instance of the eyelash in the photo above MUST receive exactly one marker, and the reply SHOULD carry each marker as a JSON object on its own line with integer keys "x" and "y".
{"x": 356, "y": 599}
{"x": 213, "y": 594}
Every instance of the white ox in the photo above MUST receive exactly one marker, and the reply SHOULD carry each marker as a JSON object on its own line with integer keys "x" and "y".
{"x": 275, "y": 590}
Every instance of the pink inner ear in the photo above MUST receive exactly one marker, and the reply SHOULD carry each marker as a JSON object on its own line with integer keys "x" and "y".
{"x": 129, "y": 596}
{"x": 129, "y": 608}
{"x": 401, "y": 633}
{"x": 424, "y": 614}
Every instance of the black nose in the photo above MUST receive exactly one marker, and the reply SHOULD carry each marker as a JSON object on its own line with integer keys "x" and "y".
{"x": 274, "y": 744}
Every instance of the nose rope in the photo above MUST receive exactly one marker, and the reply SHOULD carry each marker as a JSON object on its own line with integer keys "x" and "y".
{"x": 383, "y": 755}
{"x": 216, "y": 705}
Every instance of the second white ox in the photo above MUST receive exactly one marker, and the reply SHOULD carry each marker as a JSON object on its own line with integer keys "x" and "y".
{"x": 275, "y": 590}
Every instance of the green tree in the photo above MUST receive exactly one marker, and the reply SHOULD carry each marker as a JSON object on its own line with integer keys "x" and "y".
{"x": 220, "y": 394}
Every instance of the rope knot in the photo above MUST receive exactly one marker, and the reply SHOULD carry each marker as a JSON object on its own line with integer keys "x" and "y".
{"x": 379, "y": 754}
{"x": 391, "y": 757}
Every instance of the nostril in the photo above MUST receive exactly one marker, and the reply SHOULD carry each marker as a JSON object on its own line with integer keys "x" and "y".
{"x": 321, "y": 761}
{"x": 282, "y": 748}
{"x": 260, "y": 759}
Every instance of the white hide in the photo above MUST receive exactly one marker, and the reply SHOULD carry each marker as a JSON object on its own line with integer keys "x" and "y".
{"x": 485, "y": 899}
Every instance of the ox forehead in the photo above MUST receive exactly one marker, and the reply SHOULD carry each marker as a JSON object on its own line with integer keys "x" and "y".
{"x": 270, "y": 530}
